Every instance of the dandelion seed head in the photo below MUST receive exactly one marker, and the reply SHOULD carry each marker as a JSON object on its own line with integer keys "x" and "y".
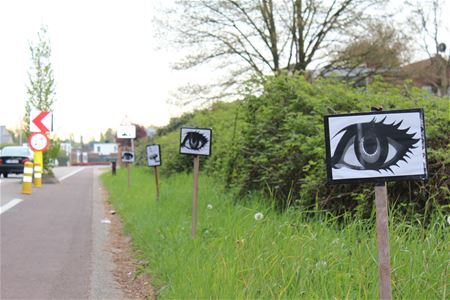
{"x": 259, "y": 216}
{"x": 448, "y": 219}
{"x": 209, "y": 206}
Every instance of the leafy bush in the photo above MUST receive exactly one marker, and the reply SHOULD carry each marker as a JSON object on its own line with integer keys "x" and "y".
{"x": 283, "y": 151}
{"x": 275, "y": 143}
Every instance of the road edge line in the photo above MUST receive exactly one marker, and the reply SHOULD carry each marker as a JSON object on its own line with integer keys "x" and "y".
{"x": 71, "y": 174}
{"x": 10, "y": 205}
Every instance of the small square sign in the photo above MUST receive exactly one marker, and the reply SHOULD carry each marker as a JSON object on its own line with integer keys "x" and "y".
{"x": 376, "y": 146}
{"x": 127, "y": 157}
{"x": 126, "y": 132}
{"x": 153, "y": 155}
{"x": 195, "y": 141}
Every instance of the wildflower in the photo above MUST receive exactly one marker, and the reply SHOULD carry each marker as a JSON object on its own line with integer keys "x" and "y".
{"x": 321, "y": 264}
{"x": 259, "y": 216}
{"x": 209, "y": 206}
{"x": 448, "y": 219}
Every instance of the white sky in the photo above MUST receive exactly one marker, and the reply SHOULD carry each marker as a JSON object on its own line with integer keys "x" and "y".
{"x": 104, "y": 59}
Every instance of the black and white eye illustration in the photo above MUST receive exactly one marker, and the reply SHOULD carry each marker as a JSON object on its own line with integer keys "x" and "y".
{"x": 196, "y": 141}
{"x": 127, "y": 157}
{"x": 376, "y": 145}
{"x": 153, "y": 155}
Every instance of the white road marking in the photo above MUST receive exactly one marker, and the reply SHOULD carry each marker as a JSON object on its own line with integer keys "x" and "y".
{"x": 9, "y": 205}
{"x": 70, "y": 174}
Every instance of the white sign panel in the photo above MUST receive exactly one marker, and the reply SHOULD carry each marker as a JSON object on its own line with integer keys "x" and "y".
{"x": 195, "y": 141}
{"x": 127, "y": 157}
{"x": 41, "y": 121}
{"x": 126, "y": 132}
{"x": 153, "y": 155}
{"x": 387, "y": 145}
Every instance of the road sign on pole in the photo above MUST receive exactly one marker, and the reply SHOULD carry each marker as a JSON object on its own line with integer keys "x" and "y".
{"x": 41, "y": 121}
{"x": 38, "y": 142}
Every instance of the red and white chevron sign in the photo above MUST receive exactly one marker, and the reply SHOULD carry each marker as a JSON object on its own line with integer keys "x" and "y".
{"x": 41, "y": 121}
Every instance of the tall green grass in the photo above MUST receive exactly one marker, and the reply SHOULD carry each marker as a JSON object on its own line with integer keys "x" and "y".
{"x": 283, "y": 255}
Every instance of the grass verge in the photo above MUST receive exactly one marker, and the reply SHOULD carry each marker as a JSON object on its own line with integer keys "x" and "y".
{"x": 280, "y": 256}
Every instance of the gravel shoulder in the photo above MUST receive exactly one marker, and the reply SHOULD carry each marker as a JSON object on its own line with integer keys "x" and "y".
{"x": 115, "y": 273}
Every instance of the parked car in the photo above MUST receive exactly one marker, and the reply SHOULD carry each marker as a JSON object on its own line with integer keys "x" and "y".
{"x": 13, "y": 158}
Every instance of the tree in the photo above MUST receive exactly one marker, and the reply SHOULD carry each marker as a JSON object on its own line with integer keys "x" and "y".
{"x": 41, "y": 86}
{"x": 258, "y": 37}
{"x": 379, "y": 49}
{"x": 426, "y": 21}
{"x": 108, "y": 136}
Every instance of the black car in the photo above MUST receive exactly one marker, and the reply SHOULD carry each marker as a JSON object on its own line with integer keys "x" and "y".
{"x": 13, "y": 158}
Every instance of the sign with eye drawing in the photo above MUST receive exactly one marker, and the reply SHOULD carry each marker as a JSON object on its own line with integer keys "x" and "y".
{"x": 195, "y": 141}
{"x": 386, "y": 145}
{"x": 153, "y": 155}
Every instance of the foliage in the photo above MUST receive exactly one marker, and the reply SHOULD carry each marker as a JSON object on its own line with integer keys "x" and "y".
{"x": 275, "y": 143}
{"x": 283, "y": 151}
{"x": 289, "y": 255}
{"x": 41, "y": 87}
{"x": 379, "y": 49}
{"x": 51, "y": 154}
{"x": 225, "y": 119}
{"x": 255, "y": 38}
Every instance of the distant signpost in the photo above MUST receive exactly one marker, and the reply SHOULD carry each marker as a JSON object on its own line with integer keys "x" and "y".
{"x": 127, "y": 132}
{"x": 196, "y": 142}
{"x": 154, "y": 160}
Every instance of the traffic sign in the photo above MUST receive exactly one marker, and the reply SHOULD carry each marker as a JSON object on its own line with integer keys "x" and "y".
{"x": 41, "y": 121}
{"x": 126, "y": 132}
{"x": 38, "y": 142}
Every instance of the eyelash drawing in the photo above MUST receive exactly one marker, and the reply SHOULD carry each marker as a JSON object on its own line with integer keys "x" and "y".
{"x": 194, "y": 140}
{"x": 370, "y": 143}
{"x": 154, "y": 157}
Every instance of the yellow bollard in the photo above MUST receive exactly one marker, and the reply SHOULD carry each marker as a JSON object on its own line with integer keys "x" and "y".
{"x": 27, "y": 178}
{"x": 37, "y": 175}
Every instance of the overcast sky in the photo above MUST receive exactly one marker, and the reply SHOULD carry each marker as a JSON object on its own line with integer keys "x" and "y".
{"x": 104, "y": 60}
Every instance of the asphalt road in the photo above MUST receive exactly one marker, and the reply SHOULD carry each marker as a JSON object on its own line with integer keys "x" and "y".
{"x": 52, "y": 243}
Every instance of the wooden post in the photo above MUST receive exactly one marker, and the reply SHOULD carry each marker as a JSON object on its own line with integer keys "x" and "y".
{"x": 129, "y": 175}
{"x": 381, "y": 202}
{"x": 157, "y": 182}
{"x": 195, "y": 195}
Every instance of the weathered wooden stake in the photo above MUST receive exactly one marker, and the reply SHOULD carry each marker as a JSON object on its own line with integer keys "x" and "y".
{"x": 129, "y": 175}
{"x": 195, "y": 194}
{"x": 157, "y": 182}
{"x": 381, "y": 202}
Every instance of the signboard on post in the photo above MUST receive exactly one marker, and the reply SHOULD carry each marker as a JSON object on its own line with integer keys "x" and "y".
{"x": 153, "y": 155}
{"x": 41, "y": 121}
{"x": 195, "y": 141}
{"x": 154, "y": 160}
{"x": 376, "y": 146}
